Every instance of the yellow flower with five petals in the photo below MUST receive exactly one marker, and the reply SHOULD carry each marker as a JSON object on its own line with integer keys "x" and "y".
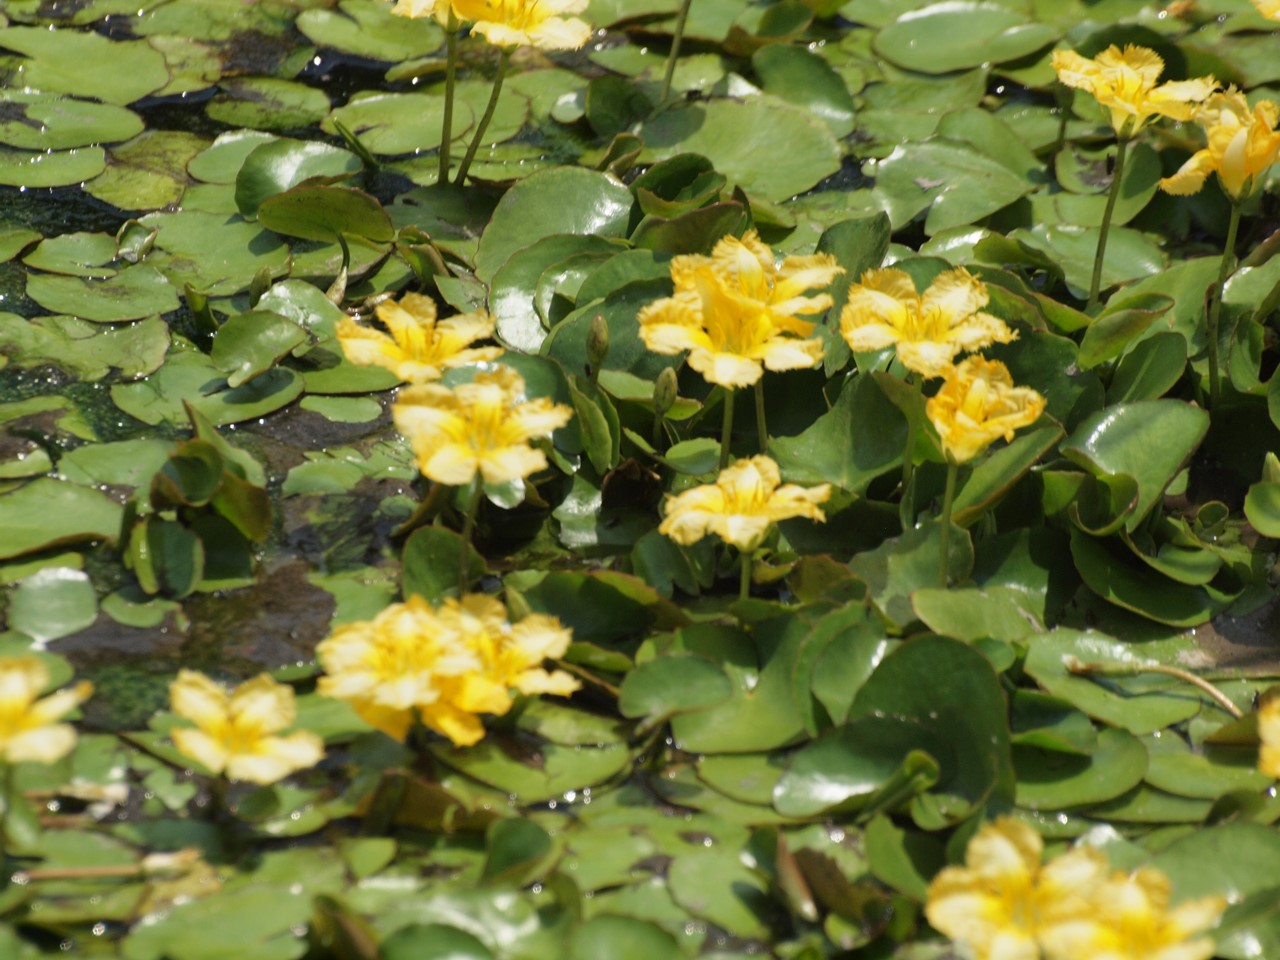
{"x": 420, "y": 347}
{"x": 929, "y": 330}
{"x": 737, "y": 312}
{"x": 1131, "y": 919}
{"x": 527, "y": 23}
{"x": 740, "y": 507}
{"x": 1126, "y": 83}
{"x": 29, "y": 730}
{"x": 978, "y": 403}
{"x": 1242, "y": 145}
{"x": 483, "y": 427}
{"x": 235, "y": 733}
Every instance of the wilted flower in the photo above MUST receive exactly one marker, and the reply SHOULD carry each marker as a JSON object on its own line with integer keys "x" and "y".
{"x": 927, "y": 330}
{"x": 1125, "y": 83}
{"x": 527, "y": 23}
{"x": 1268, "y": 8}
{"x": 480, "y": 427}
{"x": 978, "y": 403}
{"x": 444, "y": 666}
{"x": 741, "y": 506}
{"x": 420, "y": 348}
{"x": 234, "y": 733}
{"x": 1131, "y": 919}
{"x": 1002, "y": 900}
{"x": 737, "y": 312}
{"x": 29, "y": 730}
{"x": 1242, "y": 145}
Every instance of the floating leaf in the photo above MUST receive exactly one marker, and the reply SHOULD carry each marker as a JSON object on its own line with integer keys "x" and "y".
{"x": 956, "y": 36}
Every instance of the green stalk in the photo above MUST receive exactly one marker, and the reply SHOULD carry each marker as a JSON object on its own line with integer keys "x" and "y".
{"x": 6, "y": 799}
{"x": 913, "y": 426}
{"x": 762, "y": 430}
{"x": 744, "y": 581}
{"x": 948, "y": 498}
{"x": 726, "y": 432}
{"x": 1095, "y": 283}
{"x": 503, "y": 61}
{"x": 681, "y": 19}
{"x": 450, "y": 76}
{"x": 1215, "y": 303}
{"x": 468, "y": 530}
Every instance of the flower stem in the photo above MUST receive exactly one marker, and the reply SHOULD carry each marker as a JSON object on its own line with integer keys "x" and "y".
{"x": 468, "y": 530}
{"x": 913, "y": 425}
{"x": 762, "y": 430}
{"x": 1117, "y": 174}
{"x": 450, "y": 77}
{"x": 676, "y": 37}
{"x": 1215, "y": 302}
{"x": 1075, "y": 665}
{"x": 744, "y": 580}
{"x": 503, "y": 60}
{"x": 948, "y": 498}
{"x": 726, "y": 432}
{"x": 6, "y": 799}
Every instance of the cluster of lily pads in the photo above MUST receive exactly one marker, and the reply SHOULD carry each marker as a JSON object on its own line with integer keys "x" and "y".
{"x": 368, "y": 371}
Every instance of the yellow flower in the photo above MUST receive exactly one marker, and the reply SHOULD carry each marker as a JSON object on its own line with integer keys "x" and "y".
{"x": 929, "y": 330}
{"x": 1130, "y": 919}
{"x": 28, "y": 725}
{"x": 737, "y": 312}
{"x": 1124, "y": 82}
{"x": 444, "y": 665}
{"x": 978, "y": 403}
{"x": 234, "y": 733}
{"x": 527, "y": 23}
{"x": 1268, "y": 8}
{"x": 1242, "y": 145}
{"x": 413, "y": 9}
{"x": 1002, "y": 900}
{"x": 420, "y": 348}
{"x": 480, "y": 427}
{"x": 1269, "y": 734}
{"x": 741, "y": 506}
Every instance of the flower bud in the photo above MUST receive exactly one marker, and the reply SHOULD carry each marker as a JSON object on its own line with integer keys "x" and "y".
{"x": 664, "y": 391}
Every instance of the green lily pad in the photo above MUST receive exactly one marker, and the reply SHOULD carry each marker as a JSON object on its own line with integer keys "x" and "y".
{"x": 672, "y": 684}
{"x": 370, "y": 30}
{"x": 733, "y": 134}
{"x": 1053, "y": 780}
{"x": 135, "y": 292}
{"x": 252, "y": 343}
{"x": 952, "y": 36}
{"x": 191, "y": 376}
{"x": 221, "y": 161}
{"x": 955, "y": 182}
{"x": 1140, "y": 703}
{"x": 998, "y": 613}
{"x": 53, "y": 603}
{"x": 808, "y": 81}
{"x": 1130, "y": 255}
{"x": 324, "y": 213}
{"x": 57, "y": 168}
{"x": 48, "y": 513}
{"x": 84, "y": 348}
{"x": 34, "y": 120}
{"x": 75, "y": 254}
{"x": 213, "y": 252}
{"x": 1174, "y": 768}
{"x": 76, "y": 62}
{"x": 1150, "y": 441}
{"x": 273, "y": 166}
{"x": 716, "y": 886}
{"x": 148, "y": 172}
{"x": 267, "y": 103}
{"x": 565, "y": 200}
{"x": 125, "y": 463}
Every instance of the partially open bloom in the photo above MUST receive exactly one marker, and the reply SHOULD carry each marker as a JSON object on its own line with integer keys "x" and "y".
{"x": 1002, "y": 901}
{"x": 1131, "y": 919}
{"x": 443, "y": 666}
{"x": 1242, "y": 144}
{"x": 413, "y": 9}
{"x": 419, "y": 347}
{"x": 737, "y": 312}
{"x": 978, "y": 403}
{"x": 741, "y": 506}
{"x": 527, "y": 23}
{"x": 28, "y": 725}
{"x": 1125, "y": 83}
{"x": 235, "y": 733}
{"x": 927, "y": 330}
{"x": 1268, "y": 8}
{"x": 483, "y": 427}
